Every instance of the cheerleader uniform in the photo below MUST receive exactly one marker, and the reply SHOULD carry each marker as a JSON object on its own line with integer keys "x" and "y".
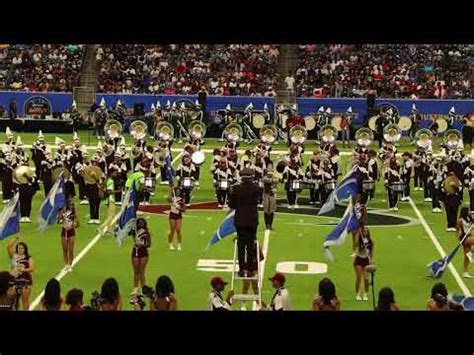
{"x": 177, "y": 208}
{"x": 68, "y": 230}
{"x": 364, "y": 248}
{"x": 18, "y": 260}
{"x": 141, "y": 243}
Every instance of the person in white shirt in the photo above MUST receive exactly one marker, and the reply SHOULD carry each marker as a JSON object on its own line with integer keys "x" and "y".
{"x": 290, "y": 82}
{"x": 215, "y": 301}
{"x": 281, "y": 298}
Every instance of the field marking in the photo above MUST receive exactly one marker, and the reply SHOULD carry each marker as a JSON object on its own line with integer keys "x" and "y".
{"x": 266, "y": 241}
{"x": 81, "y": 254}
{"x": 438, "y": 246}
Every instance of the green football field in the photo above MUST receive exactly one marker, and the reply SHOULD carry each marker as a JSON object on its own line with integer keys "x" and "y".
{"x": 404, "y": 244}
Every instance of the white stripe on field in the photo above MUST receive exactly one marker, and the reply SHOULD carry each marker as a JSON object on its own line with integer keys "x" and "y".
{"x": 438, "y": 246}
{"x": 81, "y": 254}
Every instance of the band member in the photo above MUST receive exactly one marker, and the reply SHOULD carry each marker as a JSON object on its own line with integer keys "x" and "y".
{"x": 380, "y": 123}
{"x": 176, "y": 217}
{"x": 362, "y": 167}
{"x": 452, "y": 201}
{"x": 433, "y": 126}
{"x": 26, "y": 192}
{"x": 22, "y": 268}
{"x": 244, "y": 199}
{"x": 186, "y": 174}
{"x": 327, "y": 299}
{"x": 426, "y": 163}
{"x": 76, "y": 163}
{"x": 281, "y": 298}
{"x": 392, "y": 177}
{"x": 373, "y": 169}
{"x": 162, "y": 150}
{"x": 38, "y": 153}
{"x": 141, "y": 243}
{"x": 215, "y": 300}
{"x": 70, "y": 221}
{"x": 19, "y": 156}
{"x": 75, "y": 116}
{"x": 292, "y": 177}
{"x": 416, "y": 120}
{"x": 94, "y": 197}
{"x": 469, "y": 183}
{"x": 264, "y": 149}
{"x": 313, "y": 174}
{"x": 345, "y": 125}
{"x": 292, "y": 121}
{"x": 259, "y": 167}
{"x": 333, "y": 152}
{"x": 111, "y": 192}
{"x": 455, "y": 164}
{"x": 270, "y": 187}
{"x": 406, "y": 173}
{"x": 418, "y": 167}
{"x": 436, "y": 174}
{"x": 327, "y": 179}
{"x": 217, "y": 155}
{"x": 45, "y": 169}
{"x": 6, "y": 162}
{"x": 451, "y": 117}
{"x": 193, "y": 146}
{"x": 100, "y": 118}
{"x": 364, "y": 255}
{"x": 295, "y": 152}
{"x": 232, "y": 163}
{"x": 222, "y": 181}
{"x": 464, "y": 228}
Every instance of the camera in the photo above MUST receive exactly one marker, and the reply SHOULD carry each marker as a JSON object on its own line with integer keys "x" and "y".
{"x": 440, "y": 300}
{"x": 95, "y": 302}
{"x": 148, "y": 292}
{"x": 138, "y": 300}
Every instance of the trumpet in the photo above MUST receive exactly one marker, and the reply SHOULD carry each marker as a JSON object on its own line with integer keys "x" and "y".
{"x": 364, "y": 136}
{"x": 268, "y": 133}
{"x": 392, "y": 133}
{"x": 138, "y": 129}
{"x": 164, "y": 131}
{"x": 113, "y": 128}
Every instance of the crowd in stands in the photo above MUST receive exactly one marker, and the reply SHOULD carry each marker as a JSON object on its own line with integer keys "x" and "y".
{"x": 435, "y": 71}
{"x": 185, "y": 69}
{"x": 40, "y": 68}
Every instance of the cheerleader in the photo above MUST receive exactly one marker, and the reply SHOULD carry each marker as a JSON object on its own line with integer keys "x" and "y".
{"x": 364, "y": 252}
{"x": 176, "y": 217}
{"x": 222, "y": 181}
{"x": 406, "y": 172}
{"x": 70, "y": 221}
{"x": 463, "y": 228}
{"x": 22, "y": 268}
{"x": 186, "y": 174}
{"x": 141, "y": 243}
{"x": 392, "y": 176}
{"x": 291, "y": 174}
{"x": 469, "y": 184}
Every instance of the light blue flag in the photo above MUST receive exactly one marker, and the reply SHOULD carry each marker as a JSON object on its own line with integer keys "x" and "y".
{"x": 52, "y": 204}
{"x": 348, "y": 187}
{"x": 466, "y": 302}
{"x": 128, "y": 215}
{"x": 226, "y": 228}
{"x": 170, "y": 173}
{"x": 10, "y": 218}
{"x": 436, "y": 268}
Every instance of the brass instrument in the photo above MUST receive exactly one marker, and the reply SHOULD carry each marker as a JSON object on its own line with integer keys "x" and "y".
{"x": 373, "y": 123}
{"x": 138, "y": 129}
{"x": 233, "y": 132}
{"x": 298, "y": 134}
{"x": 258, "y": 120}
{"x": 164, "y": 131}
{"x": 268, "y": 133}
{"x": 453, "y": 138}
{"x": 107, "y": 149}
{"x": 58, "y": 171}
{"x": 392, "y": 133}
{"x": 451, "y": 184}
{"x": 309, "y": 122}
{"x": 336, "y": 122}
{"x": 113, "y": 128}
{"x": 92, "y": 174}
{"x": 23, "y": 174}
{"x": 328, "y": 134}
{"x": 405, "y": 123}
{"x": 197, "y": 129}
{"x": 424, "y": 138}
{"x": 364, "y": 136}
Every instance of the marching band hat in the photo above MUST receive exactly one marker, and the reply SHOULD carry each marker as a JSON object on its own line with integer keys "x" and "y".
{"x": 227, "y": 108}
{"x": 247, "y": 173}
{"x": 75, "y": 137}
{"x": 197, "y": 103}
{"x": 168, "y": 103}
{"x": 173, "y": 106}
{"x": 152, "y": 106}
{"x": 278, "y": 277}
{"x": 158, "y": 105}
{"x": 9, "y": 132}
{"x": 59, "y": 141}
{"x": 74, "y": 105}
{"x": 19, "y": 143}
{"x": 217, "y": 281}
{"x": 452, "y": 110}
{"x": 321, "y": 109}
{"x": 265, "y": 107}
{"x": 40, "y": 135}
{"x": 102, "y": 103}
{"x": 328, "y": 110}
{"x": 349, "y": 110}
{"x": 413, "y": 107}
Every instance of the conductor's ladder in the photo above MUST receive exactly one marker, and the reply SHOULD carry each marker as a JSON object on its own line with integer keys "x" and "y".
{"x": 256, "y": 277}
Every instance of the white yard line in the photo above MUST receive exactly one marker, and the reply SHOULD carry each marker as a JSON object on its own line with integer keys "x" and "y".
{"x": 81, "y": 254}
{"x": 438, "y": 246}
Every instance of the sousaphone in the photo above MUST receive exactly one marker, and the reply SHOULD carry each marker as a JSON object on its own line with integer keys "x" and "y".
{"x": 364, "y": 136}
{"x": 453, "y": 138}
{"x": 392, "y": 133}
{"x": 328, "y": 134}
{"x": 404, "y": 123}
{"x": 138, "y": 129}
{"x": 233, "y": 132}
{"x": 58, "y": 171}
{"x": 23, "y": 174}
{"x": 268, "y": 133}
{"x": 451, "y": 184}
{"x": 424, "y": 138}
{"x": 92, "y": 174}
{"x": 164, "y": 131}
{"x": 298, "y": 134}
{"x": 113, "y": 128}
{"x": 258, "y": 120}
{"x": 197, "y": 129}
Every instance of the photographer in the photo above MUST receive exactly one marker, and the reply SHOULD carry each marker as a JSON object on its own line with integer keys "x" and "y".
{"x": 52, "y": 300}
{"x": 439, "y": 298}
{"x": 164, "y": 298}
{"x": 7, "y": 291}
{"x": 75, "y": 299}
{"x": 110, "y": 299}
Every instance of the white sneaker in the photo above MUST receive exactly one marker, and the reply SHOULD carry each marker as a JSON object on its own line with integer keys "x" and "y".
{"x": 22, "y": 219}
{"x": 243, "y": 308}
{"x": 353, "y": 255}
{"x": 365, "y": 298}
{"x": 290, "y": 207}
{"x": 66, "y": 267}
{"x": 171, "y": 247}
{"x": 438, "y": 210}
{"x": 358, "y": 298}
{"x": 196, "y": 183}
{"x": 260, "y": 205}
{"x": 164, "y": 183}
{"x": 453, "y": 229}
{"x": 118, "y": 203}
{"x": 395, "y": 208}
{"x": 91, "y": 222}
{"x": 84, "y": 202}
{"x": 152, "y": 194}
{"x": 179, "y": 246}
{"x": 428, "y": 199}
{"x": 295, "y": 206}
{"x": 466, "y": 275}
{"x": 97, "y": 221}
{"x": 404, "y": 199}
{"x": 219, "y": 206}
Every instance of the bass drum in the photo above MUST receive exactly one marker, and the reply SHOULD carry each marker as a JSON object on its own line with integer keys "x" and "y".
{"x": 258, "y": 120}
{"x": 198, "y": 158}
{"x": 310, "y": 123}
{"x": 442, "y": 125}
{"x": 336, "y": 122}
{"x": 373, "y": 123}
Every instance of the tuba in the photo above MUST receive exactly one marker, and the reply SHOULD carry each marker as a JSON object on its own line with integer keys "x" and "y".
{"x": 138, "y": 129}
{"x": 92, "y": 174}
{"x": 298, "y": 134}
{"x": 268, "y": 133}
{"x": 66, "y": 174}
{"x": 392, "y": 133}
{"x": 451, "y": 184}
{"x": 364, "y": 136}
{"x": 197, "y": 129}
{"x": 424, "y": 138}
{"x": 164, "y": 131}
{"x": 23, "y": 174}
{"x": 328, "y": 134}
{"x": 233, "y": 132}
{"x": 453, "y": 138}
{"x": 113, "y": 128}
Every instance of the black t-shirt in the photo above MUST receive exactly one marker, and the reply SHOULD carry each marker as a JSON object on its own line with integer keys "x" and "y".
{"x": 202, "y": 95}
{"x": 370, "y": 99}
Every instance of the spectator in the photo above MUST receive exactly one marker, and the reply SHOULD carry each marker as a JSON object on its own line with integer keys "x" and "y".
{"x": 386, "y": 300}
{"x": 75, "y": 299}
{"x": 439, "y": 298}
{"x": 165, "y": 299}
{"x": 52, "y": 300}
{"x": 110, "y": 296}
{"x": 327, "y": 299}
{"x": 7, "y": 291}
{"x": 290, "y": 83}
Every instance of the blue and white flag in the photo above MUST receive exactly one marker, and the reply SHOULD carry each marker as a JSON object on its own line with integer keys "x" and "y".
{"x": 348, "y": 187}
{"x": 348, "y": 223}
{"x": 52, "y": 204}
{"x": 127, "y": 215}
{"x": 10, "y": 218}
{"x": 226, "y": 228}
{"x": 466, "y": 302}
{"x": 436, "y": 268}
{"x": 170, "y": 173}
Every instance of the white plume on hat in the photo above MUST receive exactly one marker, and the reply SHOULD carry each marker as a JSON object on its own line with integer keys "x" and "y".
{"x": 390, "y": 111}
{"x": 328, "y": 110}
{"x": 183, "y": 106}
{"x": 349, "y": 110}
{"x": 294, "y": 107}
{"x": 102, "y": 102}
{"x": 18, "y": 141}
{"x": 250, "y": 106}
{"x": 158, "y": 105}
{"x": 59, "y": 141}
{"x": 40, "y": 135}
{"x": 321, "y": 109}
{"x": 173, "y": 106}
{"x": 452, "y": 110}
{"x": 413, "y": 107}
{"x": 75, "y": 137}
{"x": 99, "y": 146}
{"x": 9, "y": 132}
{"x": 119, "y": 103}
{"x": 74, "y": 105}
{"x": 122, "y": 141}
{"x": 152, "y": 106}
{"x": 228, "y": 107}
{"x": 265, "y": 107}
{"x": 168, "y": 103}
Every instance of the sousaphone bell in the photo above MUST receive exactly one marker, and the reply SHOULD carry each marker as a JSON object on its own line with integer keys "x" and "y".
{"x": 113, "y": 128}
{"x": 58, "y": 171}
{"x": 164, "y": 131}
{"x": 138, "y": 129}
{"x": 92, "y": 174}
{"x": 23, "y": 174}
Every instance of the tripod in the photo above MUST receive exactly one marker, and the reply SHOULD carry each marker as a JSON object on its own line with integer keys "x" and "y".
{"x": 371, "y": 269}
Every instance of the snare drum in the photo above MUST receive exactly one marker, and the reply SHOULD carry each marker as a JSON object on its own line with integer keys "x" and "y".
{"x": 223, "y": 184}
{"x": 312, "y": 184}
{"x": 397, "y": 186}
{"x": 150, "y": 182}
{"x": 330, "y": 185}
{"x": 187, "y": 183}
{"x": 368, "y": 185}
{"x": 295, "y": 185}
